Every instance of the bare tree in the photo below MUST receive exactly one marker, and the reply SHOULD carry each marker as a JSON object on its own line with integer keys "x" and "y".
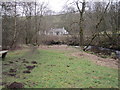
{"x": 81, "y": 20}
{"x": 97, "y": 25}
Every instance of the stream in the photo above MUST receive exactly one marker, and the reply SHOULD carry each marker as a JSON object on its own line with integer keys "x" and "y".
{"x": 104, "y": 51}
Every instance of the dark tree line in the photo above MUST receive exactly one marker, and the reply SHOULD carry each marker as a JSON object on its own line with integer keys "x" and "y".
{"x": 21, "y": 22}
{"x": 92, "y": 23}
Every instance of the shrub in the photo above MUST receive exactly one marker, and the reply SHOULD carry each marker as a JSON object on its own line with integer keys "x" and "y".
{"x": 72, "y": 40}
{"x": 52, "y": 40}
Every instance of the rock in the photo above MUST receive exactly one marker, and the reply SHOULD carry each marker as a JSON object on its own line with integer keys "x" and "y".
{"x": 11, "y": 74}
{"x": 27, "y": 71}
{"x": 15, "y": 85}
{"x": 12, "y": 70}
{"x": 16, "y": 61}
{"x": 34, "y": 62}
{"x": 30, "y": 67}
{"x": 68, "y": 66}
{"x": 5, "y": 64}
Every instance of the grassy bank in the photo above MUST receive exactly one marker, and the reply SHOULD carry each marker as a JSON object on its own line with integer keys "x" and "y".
{"x": 57, "y": 70}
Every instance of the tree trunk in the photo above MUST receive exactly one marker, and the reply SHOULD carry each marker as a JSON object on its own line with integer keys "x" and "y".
{"x": 81, "y": 12}
{"x": 15, "y": 29}
{"x": 81, "y": 34}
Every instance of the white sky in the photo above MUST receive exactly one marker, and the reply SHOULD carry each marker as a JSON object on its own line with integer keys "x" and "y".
{"x": 57, "y": 5}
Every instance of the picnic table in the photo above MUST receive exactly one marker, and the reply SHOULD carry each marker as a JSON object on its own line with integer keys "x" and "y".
{"x": 3, "y": 53}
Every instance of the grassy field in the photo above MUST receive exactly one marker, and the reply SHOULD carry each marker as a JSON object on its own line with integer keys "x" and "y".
{"x": 57, "y": 69}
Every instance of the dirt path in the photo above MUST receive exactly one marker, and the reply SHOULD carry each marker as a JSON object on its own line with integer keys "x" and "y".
{"x": 98, "y": 60}
{"x": 80, "y": 54}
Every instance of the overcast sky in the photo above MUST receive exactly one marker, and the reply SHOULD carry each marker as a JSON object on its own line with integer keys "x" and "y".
{"x": 57, "y": 5}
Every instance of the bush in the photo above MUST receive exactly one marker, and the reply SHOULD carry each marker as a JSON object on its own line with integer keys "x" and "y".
{"x": 72, "y": 40}
{"x": 52, "y": 40}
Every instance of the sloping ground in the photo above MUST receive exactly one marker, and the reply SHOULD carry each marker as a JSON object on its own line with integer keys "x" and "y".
{"x": 98, "y": 60}
{"x": 56, "y": 67}
{"x": 80, "y": 54}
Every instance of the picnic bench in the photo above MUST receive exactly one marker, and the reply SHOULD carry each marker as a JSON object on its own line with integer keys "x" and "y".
{"x": 3, "y": 53}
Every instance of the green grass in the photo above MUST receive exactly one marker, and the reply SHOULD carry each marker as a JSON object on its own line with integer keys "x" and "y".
{"x": 58, "y": 70}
